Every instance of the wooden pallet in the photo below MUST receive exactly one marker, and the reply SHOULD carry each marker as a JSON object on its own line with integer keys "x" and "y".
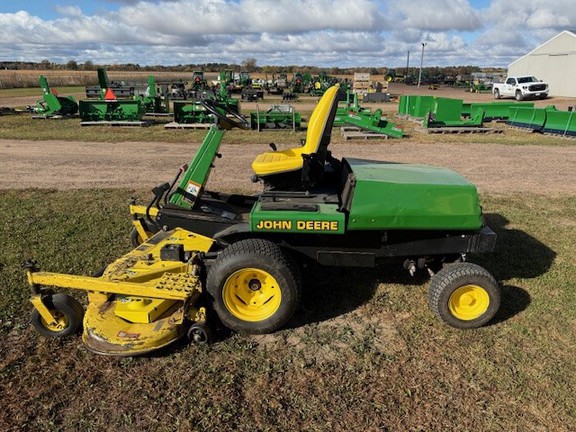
{"x": 115, "y": 123}
{"x": 363, "y": 135}
{"x": 159, "y": 114}
{"x": 54, "y": 117}
{"x": 559, "y": 135}
{"x": 461, "y": 130}
{"x": 174, "y": 125}
{"x": 523, "y": 129}
{"x": 344, "y": 129}
{"x": 417, "y": 120}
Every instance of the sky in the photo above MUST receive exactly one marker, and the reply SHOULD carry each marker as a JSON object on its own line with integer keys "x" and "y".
{"x": 342, "y": 33}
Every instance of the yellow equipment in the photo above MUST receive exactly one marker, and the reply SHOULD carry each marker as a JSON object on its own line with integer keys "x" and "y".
{"x": 143, "y": 301}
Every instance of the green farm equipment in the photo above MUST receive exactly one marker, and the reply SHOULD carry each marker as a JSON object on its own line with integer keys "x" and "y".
{"x": 154, "y": 103}
{"x": 109, "y": 110}
{"x": 53, "y": 105}
{"x": 562, "y": 123}
{"x": 193, "y": 113}
{"x": 433, "y": 121}
{"x": 241, "y": 255}
{"x": 277, "y": 117}
{"x": 301, "y": 83}
{"x": 547, "y": 120}
{"x": 415, "y": 106}
{"x": 121, "y": 89}
{"x": 373, "y": 123}
{"x": 199, "y": 82}
{"x": 533, "y": 119}
{"x": 321, "y": 83}
{"x": 494, "y": 110}
{"x": 190, "y": 114}
{"x": 350, "y": 105}
{"x": 349, "y": 112}
{"x": 447, "y": 113}
{"x": 480, "y": 87}
{"x": 278, "y": 84}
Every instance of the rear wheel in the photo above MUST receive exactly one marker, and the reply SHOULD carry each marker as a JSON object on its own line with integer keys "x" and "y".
{"x": 464, "y": 295}
{"x": 255, "y": 286}
{"x": 496, "y": 94}
{"x": 68, "y": 314}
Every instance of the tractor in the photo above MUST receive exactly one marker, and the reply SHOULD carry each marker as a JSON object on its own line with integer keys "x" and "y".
{"x": 240, "y": 256}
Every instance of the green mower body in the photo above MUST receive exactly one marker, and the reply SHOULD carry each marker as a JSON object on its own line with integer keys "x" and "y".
{"x": 241, "y": 255}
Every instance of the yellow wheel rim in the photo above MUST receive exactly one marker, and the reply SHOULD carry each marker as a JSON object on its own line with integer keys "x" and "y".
{"x": 252, "y": 294}
{"x": 469, "y": 302}
{"x": 59, "y": 324}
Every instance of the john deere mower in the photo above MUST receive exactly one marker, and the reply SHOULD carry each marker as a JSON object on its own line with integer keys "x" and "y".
{"x": 199, "y": 251}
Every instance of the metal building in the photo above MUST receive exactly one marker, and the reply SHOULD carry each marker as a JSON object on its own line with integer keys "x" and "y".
{"x": 553, "y": 62}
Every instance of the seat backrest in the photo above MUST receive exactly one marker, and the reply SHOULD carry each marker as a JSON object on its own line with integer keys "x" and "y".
{"x": 319, "y": 121}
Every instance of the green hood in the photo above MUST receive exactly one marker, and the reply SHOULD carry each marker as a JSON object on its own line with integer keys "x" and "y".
{"x": 406, "y": 196}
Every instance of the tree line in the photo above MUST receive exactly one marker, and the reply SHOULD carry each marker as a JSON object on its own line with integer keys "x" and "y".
{"x": 248, "y": 65}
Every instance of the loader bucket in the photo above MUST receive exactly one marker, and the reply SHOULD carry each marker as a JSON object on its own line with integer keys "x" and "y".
{"x": 560, "y": 123}
{"x": 431, "y": 121}
{"x": 422, "y": 105}
{"x": 448, "y": 110}
{"x": 404, "y": 105}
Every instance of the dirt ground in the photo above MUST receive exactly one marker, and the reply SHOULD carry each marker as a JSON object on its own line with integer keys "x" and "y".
{"x": 64, "y": 165}
{"x": 492, "y": 167}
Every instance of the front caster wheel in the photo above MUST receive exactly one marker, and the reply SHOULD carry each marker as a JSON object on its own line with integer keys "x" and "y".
{"x": 135, "y": 237}
{"x": 68, "y": 314}
{"x": 199, "y": 334}
{"x": 464, "y": 295}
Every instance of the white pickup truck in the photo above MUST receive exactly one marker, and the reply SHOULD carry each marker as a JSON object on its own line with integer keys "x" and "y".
{"x": 521, "y": 87}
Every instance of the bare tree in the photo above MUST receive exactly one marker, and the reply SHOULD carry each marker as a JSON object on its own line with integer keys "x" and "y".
{"x": 249, "y": 65}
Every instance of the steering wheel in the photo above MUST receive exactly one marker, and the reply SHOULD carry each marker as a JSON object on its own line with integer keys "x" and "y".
{"x": 221, "y": 110}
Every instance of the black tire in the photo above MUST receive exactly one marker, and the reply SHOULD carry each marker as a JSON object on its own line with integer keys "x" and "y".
{"x": 199, "y": 334}
{"x": 454, "y": 283}
{"x": 496, "y": 94}
{"x": 135, "y": 238}
{"x": 519, "y": 95}
{"x": 231, "y": 272}
{"x": 64, "y": 307}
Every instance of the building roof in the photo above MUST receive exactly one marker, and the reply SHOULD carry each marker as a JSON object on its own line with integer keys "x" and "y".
{"x": 569, "y": 32}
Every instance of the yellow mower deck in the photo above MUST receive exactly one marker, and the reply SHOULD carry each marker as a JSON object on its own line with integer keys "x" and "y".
{"x": 142, "y": 300}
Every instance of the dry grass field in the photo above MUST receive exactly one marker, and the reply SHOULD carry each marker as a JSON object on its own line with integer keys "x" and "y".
{"x": 363, "y": 353}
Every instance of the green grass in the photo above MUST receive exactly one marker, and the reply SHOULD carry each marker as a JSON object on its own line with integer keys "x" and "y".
{"x": 23, "y": 127}
{"x": 363, "y": 352}
{"x": 37, "y": 91}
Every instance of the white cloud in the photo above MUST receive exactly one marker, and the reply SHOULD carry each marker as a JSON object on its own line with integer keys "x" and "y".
{"x": 437, "y": 15}
{"x": 322, "y": 32}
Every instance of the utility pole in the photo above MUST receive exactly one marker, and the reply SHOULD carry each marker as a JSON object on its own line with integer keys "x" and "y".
{"x": 407, "y": 65}
{"x": 421, "y": 63}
